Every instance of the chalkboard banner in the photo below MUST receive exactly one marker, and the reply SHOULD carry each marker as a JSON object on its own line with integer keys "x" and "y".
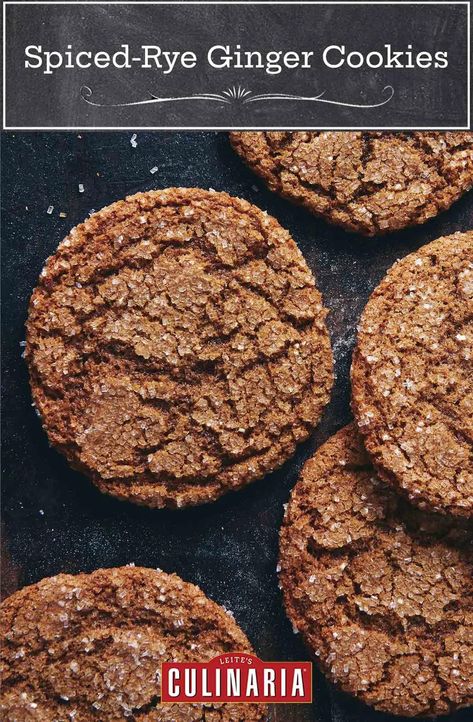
{"x": 236, "y": 65}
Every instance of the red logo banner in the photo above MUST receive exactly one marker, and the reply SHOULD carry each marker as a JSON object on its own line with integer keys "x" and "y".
{"x": 237, "y": 678}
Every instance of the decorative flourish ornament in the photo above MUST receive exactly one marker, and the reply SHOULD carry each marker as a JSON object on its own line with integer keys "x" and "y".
{"x": 237, "y": 95}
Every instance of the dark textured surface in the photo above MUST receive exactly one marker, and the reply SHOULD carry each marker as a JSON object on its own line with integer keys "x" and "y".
{"x": 54, "y": 519}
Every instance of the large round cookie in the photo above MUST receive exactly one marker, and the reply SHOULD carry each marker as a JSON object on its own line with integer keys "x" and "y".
{"x": 367, "y": 182}
{"x": 381, "y": 592}
{"x": 412, "y": 375}
{"x": 177, "y": 347}
{"x": 90, "y": 647}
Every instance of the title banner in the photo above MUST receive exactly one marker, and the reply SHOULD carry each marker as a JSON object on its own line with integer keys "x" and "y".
{"x": 236, "y": 65}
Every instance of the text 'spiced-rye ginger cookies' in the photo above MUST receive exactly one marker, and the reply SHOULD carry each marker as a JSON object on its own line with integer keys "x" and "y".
{"x": 368, "y": 182}
{"x": 412, "y": 376}
{"x": 177, "y": 347}
{"x": 381, "y": 592}
{"x": 89, "y": 648}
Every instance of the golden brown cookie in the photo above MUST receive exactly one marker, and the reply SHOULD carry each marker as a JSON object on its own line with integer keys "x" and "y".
{"x": 381, "y": 592}
{"x": 412, "y": 375}
{"x": 367, "y": 181}
{"x": 90, "y": 647}
{"x": 177, "y": 347}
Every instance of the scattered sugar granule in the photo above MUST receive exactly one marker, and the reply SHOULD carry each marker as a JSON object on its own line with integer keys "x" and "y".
{"x": 81, "y": 188}
{"x": 62, "y": 215}
{"x": 154, "y": 169}
{"x": 50, "y": 210}
{"x": 133, "y": 142}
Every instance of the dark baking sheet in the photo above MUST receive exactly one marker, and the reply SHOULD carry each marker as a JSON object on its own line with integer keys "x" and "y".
{"x": 54, "y": 520}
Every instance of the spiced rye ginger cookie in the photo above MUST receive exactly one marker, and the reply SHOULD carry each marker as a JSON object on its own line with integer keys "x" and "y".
{"x": 369, "y": 182}
{"x": 90, "y": 647}
{"x": 177, "y": 347}
{"x": 381, "y": 592}
{"x": 412, "y": 376}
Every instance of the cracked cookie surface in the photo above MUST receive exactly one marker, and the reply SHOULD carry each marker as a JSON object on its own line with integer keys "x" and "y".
{"x": 90, "y": 647}
{"x": 381, "y": 592}
{"x": 412, "y": 382}
{"x": 368, "y": 182}
{"x": 177, "y": 347}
